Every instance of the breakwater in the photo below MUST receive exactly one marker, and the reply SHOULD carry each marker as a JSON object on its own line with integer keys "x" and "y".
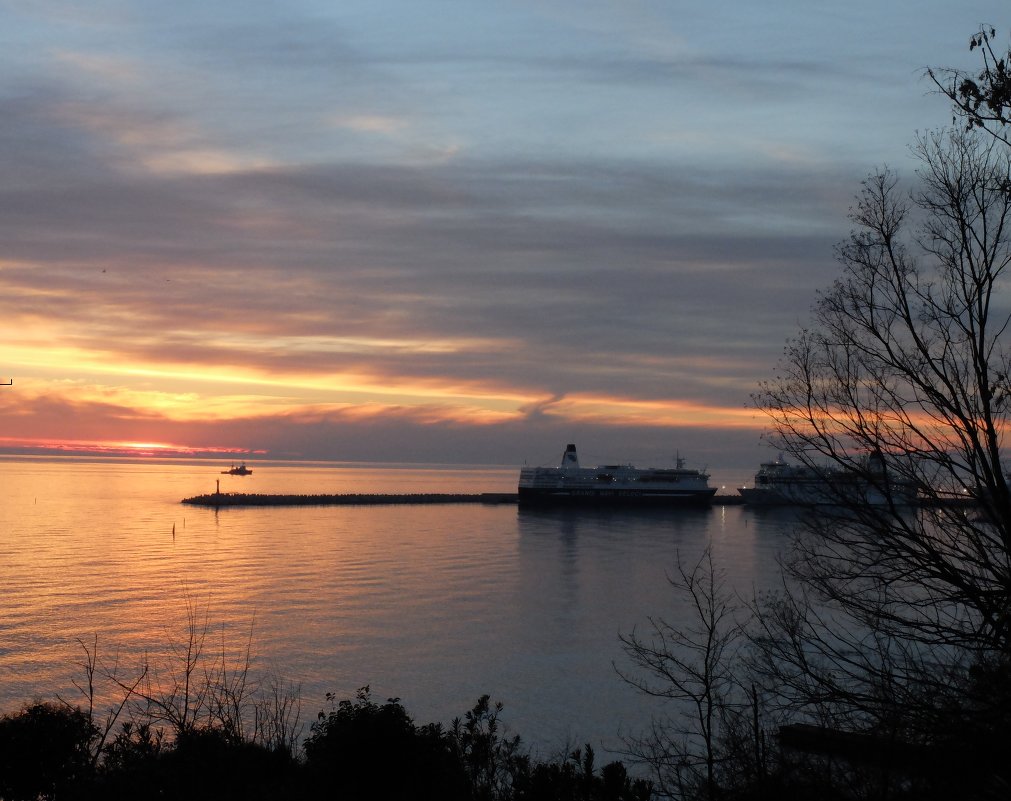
{"x": 219, "y": 499}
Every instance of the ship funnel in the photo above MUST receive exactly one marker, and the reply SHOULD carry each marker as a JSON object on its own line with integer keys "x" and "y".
{"x": 876, "y": 462}
{"x": 569, "y": 458}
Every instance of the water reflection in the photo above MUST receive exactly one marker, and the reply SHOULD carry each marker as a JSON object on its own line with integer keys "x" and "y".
{"x": 434, "y": 604}
{"x": 644, "y": 544}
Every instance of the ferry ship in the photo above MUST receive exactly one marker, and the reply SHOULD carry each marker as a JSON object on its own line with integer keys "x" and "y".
{"x": 778, "y": 483}
{"x": 240, "y": 470}
{"x": 616, "y": 484}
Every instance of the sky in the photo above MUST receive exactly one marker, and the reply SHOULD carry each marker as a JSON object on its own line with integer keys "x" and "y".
{"x": 435, "y": 231}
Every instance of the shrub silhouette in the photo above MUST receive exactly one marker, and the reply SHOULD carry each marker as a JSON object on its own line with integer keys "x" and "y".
{"x": 203, "y": 763}
{"x": 356, "y": 750}
{"x": 45, "y": 752}
{"x": 363, "y": 750}
{"x": 491, "y": 761}
{"x": 213, "y": 764}
{"x": 131, "y": 762}
{"x": 574, "y": 779}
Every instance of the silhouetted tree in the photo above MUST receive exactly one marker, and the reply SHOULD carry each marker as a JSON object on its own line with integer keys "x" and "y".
{"x": 890, "y": 612}
{"x": 695, "y": 665}
{"x": 982, "y": 99}
{"x": 892, "y": 631}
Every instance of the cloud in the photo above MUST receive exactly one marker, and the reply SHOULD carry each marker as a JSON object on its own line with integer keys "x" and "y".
{"x": 370, "y": 123}
{"x": 540, "y": 409}
{"x": 493, "y": 279}
{"x": 76, "y": 418}
{"x": 325, "y": 221}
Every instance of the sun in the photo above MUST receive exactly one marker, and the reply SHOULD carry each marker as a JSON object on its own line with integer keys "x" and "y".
{"x": 160, "y": 447}
{"x": 119, "y": 448}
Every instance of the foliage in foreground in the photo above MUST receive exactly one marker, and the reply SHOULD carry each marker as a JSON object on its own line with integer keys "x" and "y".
{"x": 358, "y": 749}
{"x": 728, "y": 738}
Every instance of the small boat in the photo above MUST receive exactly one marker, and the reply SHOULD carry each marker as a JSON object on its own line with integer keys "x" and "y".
{"x": 778, "y": 483}
{"x": 240, "y": 470}
{"x": 617, "y": 484}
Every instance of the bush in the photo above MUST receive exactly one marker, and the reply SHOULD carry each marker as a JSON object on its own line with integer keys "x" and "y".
{"x": 363, "y": 750}
{"x": 357, "y": 750}
{"x": 46, "y": 752}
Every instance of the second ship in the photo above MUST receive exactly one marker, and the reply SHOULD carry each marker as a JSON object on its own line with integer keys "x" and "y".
{"x": 623, "y": 484}
{"x": 865, "y": 482}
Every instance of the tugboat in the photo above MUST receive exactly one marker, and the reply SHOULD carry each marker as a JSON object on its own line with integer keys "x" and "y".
{"x": 241, "y": 470}
{"x": 618, "y": 484}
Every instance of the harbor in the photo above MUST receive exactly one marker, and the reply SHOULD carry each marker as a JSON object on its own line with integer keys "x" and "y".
{"x": 435, "y": 603}
{"x": 776, "y": 483}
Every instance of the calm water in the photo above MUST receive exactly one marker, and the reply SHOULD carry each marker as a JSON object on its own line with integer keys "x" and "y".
{"x": 433, "y": 604}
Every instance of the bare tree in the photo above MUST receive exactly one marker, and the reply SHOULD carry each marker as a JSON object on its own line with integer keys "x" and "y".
{"x": 891, "y": 615}
{"x": 198, "y": 688}
{"x": 183, "y": 697}
{"x": 893, "y": 623}
{"x": 277, "y": 716}
{"x": 94, "y": 671}
{"x": 692, "y": 665}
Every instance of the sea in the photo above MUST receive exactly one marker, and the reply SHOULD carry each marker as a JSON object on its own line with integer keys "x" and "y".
{"x": 434, "y": 605}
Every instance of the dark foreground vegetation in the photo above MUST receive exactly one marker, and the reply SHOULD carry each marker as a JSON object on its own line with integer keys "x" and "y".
{"x": 356, "y": 749}
{"x": 360, "y": 749}
{"x": 197, "y": 742}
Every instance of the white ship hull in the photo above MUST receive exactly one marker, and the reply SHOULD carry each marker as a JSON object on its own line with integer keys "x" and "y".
{"x": 781, "y": 484}
{"x": 613, "y": 484}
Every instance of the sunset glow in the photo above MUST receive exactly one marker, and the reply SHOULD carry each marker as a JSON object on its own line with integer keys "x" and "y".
{"x": 327, "y": 237}
{"x": 115, "y": 448}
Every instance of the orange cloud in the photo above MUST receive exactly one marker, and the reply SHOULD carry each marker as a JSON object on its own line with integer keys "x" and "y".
{"x": 103, "y": 360}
